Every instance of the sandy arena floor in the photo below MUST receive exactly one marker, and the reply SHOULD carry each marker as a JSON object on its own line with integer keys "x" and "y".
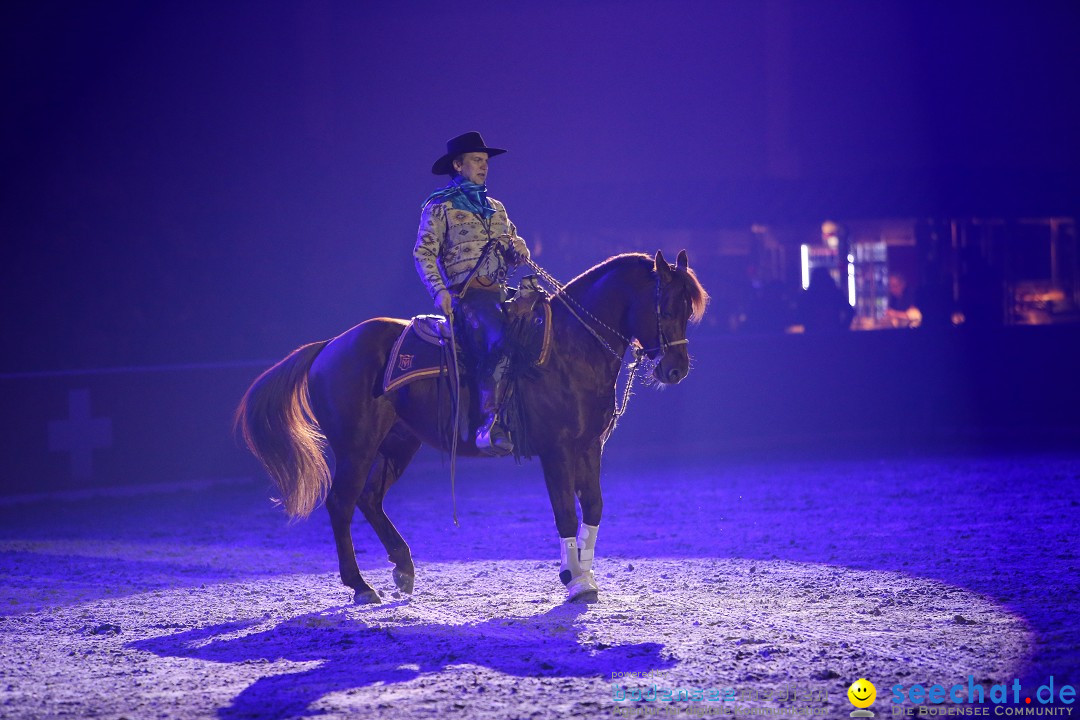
{"x": 757, "y": 579}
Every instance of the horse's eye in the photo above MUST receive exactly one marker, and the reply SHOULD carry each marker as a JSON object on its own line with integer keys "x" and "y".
{"x": 665, "y": 315}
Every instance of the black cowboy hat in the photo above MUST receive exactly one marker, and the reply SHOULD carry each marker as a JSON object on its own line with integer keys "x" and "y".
{"x": 467, "y": 143}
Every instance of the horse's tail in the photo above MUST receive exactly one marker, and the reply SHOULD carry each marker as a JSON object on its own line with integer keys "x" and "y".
{"x": 277, "y": 424}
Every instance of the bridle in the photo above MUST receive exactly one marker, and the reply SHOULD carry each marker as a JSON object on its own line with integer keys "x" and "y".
{"x": 662, "y": 348}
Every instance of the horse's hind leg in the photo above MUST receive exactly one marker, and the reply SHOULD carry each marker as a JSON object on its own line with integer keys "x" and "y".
{"x": 354, "y": 464}
{"x": 396, "y": 451}
{"x": 340, "y": 504}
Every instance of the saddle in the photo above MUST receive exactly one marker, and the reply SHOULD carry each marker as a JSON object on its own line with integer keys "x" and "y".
{"x": 422, "y": 350}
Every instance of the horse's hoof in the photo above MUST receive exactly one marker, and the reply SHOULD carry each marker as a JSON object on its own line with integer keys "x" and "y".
{"x": 366, "y": 597}
{"x": 582, "y": 589}
{"x": 404, "y": 581}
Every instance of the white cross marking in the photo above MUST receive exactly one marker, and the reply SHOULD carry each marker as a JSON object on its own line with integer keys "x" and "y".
{"x": 80, "y": 434}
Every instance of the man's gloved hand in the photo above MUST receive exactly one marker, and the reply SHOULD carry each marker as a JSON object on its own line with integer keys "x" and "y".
{"x": 444, "y": 301}
{"x": 520, "y": 249}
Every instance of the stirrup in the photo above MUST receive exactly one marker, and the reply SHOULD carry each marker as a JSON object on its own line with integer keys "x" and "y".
{"x": 492, "y": 439}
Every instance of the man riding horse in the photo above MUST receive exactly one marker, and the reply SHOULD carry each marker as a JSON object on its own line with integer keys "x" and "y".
{"x": 329, "y": 394}
{"x": 465, "y": 249}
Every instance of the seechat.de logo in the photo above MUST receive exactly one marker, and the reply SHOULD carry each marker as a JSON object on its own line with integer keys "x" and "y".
{"x": 862, "y": 694}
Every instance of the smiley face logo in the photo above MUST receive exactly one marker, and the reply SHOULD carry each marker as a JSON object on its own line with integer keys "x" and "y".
{"x": 862, "y": 693}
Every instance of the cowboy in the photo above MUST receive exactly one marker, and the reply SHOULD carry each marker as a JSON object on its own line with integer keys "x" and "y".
{"x": 465, "y": 249}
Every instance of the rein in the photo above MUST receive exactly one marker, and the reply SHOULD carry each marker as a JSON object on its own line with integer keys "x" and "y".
{"x": 454, "y": 408}
{"x": 455, "y": 425}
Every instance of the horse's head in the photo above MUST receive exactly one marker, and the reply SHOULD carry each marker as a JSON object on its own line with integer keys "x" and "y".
{"x": 660, "y": 317}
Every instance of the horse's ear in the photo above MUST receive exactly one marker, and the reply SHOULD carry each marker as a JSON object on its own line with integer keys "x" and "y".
{"x": 681, "y": 262}
{"x": 660, "y": 265}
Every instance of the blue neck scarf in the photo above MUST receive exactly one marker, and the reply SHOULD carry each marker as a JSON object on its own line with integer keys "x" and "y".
{"x": 465, "y": 196}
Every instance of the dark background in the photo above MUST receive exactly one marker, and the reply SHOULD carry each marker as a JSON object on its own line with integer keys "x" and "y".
{"x": 216, "y": 183}
{"x": 203, "y": 182}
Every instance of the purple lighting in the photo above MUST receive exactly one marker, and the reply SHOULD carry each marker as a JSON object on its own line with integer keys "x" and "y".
{"x": 876, "y": 480}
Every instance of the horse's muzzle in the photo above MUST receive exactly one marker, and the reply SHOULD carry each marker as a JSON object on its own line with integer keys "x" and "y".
{"x": 669, "y": 375}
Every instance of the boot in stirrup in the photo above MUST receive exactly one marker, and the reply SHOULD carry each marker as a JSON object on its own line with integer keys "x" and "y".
{"x": 491, "y": 438}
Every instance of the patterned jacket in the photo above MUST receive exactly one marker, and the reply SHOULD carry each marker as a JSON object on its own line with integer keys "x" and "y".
{"x": 450, "y": 241}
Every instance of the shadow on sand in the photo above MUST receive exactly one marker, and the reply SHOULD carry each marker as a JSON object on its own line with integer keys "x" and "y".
{"x": 354, "y": 654}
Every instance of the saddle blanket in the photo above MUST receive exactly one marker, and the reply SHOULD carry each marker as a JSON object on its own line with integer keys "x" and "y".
{"x": 422, "y": 349}
{"x": 418, "y": 352}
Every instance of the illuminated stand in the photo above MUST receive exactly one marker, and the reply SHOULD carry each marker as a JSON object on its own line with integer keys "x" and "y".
{"x": 868, "y": 288}
{"x": 865, "y": 275}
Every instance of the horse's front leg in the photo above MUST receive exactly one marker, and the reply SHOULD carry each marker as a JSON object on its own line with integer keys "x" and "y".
{"x": 587, "y": 487}
{"x": 559, "y": 472}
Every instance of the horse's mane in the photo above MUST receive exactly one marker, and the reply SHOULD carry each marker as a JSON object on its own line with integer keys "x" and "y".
{"x": 698, "y": 296}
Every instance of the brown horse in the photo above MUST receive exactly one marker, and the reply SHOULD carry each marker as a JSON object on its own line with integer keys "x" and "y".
{"x": 331, "y": 392}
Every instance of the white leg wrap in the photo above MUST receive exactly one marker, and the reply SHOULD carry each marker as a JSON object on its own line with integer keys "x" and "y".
{"x": 580, "y": 579}
{"x": 586, "y": 540}
{"x": 568, "y": 548}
